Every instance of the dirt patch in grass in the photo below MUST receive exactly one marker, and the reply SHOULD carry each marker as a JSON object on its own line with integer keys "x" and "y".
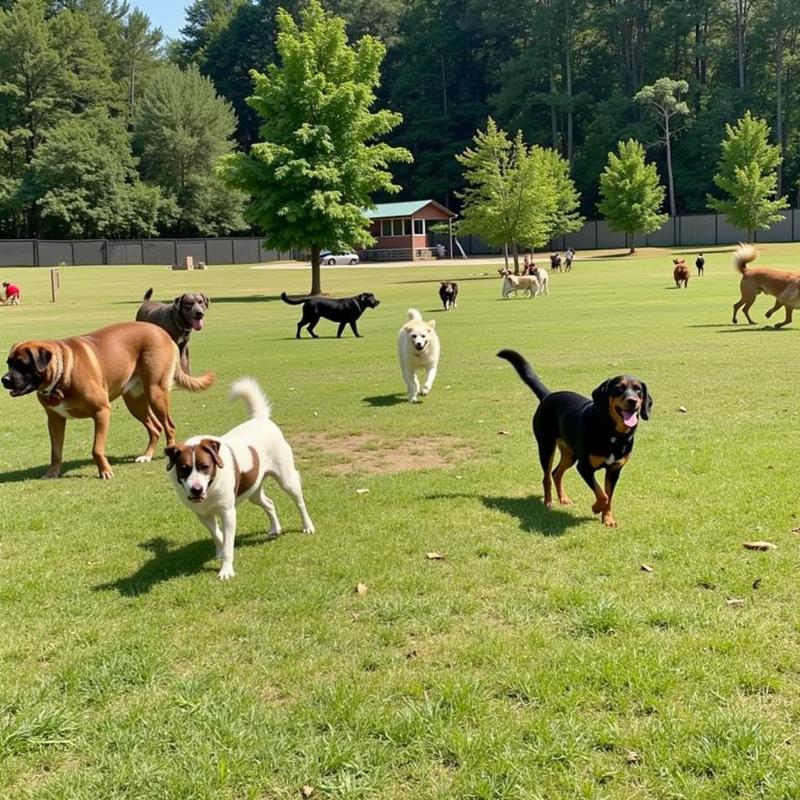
{"x": 370, "y": 454}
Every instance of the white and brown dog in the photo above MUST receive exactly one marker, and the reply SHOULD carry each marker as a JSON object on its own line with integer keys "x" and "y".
{"x": 418, "y": 349}
{"x": 513, "y": 283}
{"x": 214, "y": 474}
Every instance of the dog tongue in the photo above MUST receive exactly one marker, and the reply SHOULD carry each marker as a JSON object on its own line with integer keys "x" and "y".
{"x": 630, "y": 418}
{"x": 197, "y": 324}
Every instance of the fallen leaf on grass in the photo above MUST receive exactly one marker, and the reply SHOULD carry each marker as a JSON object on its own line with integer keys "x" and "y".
{"x": 434, "y": 556}
{"x": 734, "y": 602}
{"x": 411, "y": 654}
{"x": 795, "y": 530}
{"x": 632, "y": 757}
{"x": 503, "y": 433}
{"x": 646, "y": 568}
{"x": 683, "y": 409}
{"x": 307, "y": 791}
{"x": 759, "y": 546}
{"x": 362, "y": 491}
{"x": 361, "y": 589}
{"x": 756, "y": 583}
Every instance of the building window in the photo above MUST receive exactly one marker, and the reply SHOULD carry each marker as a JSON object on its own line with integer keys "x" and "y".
{"x": 419, "y": 227}
{"x": 407, "y": 227}
{"x": 397, "y": 227}
{"x": 386, "y": 227}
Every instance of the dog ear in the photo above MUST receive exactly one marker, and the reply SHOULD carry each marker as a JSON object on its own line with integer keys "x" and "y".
{"x": 172, "y": 452}
{"x": 40, "y": 358}
{"x": 176, "y": 303}
{"x": 432, "y": 323}
{"x": 206, "y": 301}
{"x": 647, "y": 402}
{"x": 600, "y": 394}
{"x": 211, "y": 446}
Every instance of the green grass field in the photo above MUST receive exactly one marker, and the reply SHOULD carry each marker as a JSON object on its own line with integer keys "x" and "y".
{"x": 537, "y": 660}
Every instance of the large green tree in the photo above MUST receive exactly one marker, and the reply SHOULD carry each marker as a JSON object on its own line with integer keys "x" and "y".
{"x": 182, "y": 128}
{"x": 83, "y": 183}
{"x": 320, "y": 157}
{"x": 515, "y": 196}
{"x": 747, "y": 175}
{"x": 631, "y": 192}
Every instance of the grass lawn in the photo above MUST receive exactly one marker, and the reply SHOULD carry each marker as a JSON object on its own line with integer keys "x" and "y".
{"x": 537, "y": 660}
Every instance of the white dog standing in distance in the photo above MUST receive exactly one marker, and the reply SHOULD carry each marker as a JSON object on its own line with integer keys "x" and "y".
{"x": 213, "y": 474}
{"x": 418, "y": 348}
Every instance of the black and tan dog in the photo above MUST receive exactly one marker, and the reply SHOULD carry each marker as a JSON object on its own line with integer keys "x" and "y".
{"x": 79, "y": 377}
{"x": 595, "y": 434}
{"x": 345, "y": 311}
{"x": 448, "y": 294}
{"x": 179, "y": 318}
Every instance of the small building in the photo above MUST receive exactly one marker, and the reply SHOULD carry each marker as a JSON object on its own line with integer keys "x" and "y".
{"x": 402, "y": 231}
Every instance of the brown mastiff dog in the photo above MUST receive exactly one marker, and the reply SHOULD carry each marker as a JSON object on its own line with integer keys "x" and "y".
{"x": 79, "y": 377}
{"x": 179, "y": 318}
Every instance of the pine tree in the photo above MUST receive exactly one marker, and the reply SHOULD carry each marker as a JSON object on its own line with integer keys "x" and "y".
{"x": 631, "y": 193}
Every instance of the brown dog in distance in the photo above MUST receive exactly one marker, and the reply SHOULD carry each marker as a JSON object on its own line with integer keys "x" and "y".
{"x": 79, "y": 377}
{"x": 783, "y": 286}
{"x": 179, "y": 318}
{"x": 681, "y": 273}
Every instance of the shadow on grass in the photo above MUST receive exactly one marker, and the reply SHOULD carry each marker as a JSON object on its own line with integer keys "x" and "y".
{"x": 533, "y": 516}
{"x": 168, "y": 563}
{"x": 753, "y": 329}
{"x": 34, "y": 473}
{"x": 481, "y": 277}
{"x": 383, "y": 400}
{"x": 530, "y": 511}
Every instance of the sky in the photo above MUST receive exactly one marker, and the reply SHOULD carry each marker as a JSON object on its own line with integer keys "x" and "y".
{"x": 165, "y": 14}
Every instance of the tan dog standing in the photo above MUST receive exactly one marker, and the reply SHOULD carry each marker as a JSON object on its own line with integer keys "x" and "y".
{"x": 79, "y": 377}
{"x": 783, "y": 286}
{"x": 418, "y": 349}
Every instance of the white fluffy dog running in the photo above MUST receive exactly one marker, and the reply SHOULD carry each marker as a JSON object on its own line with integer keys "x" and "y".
{"x": 213, "y": 474}
{"x": 418, "y": 348}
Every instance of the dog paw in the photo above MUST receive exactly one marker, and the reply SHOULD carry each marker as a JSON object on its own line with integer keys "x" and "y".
{"x": 609, "y": 521}
{"x": 274, "y": 531}
{"x": 598, "y": 507}
{"x": 106, "y": 474}
{"x": 143, "y": 459}
{"x": 309, "y": 529}
{"x": 424, "y": 391}
{"x": 565, "y": 501}
{"x": 226, "y": 573}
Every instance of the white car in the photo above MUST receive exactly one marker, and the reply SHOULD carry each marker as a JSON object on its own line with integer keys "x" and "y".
{"x": 331, "y": 258}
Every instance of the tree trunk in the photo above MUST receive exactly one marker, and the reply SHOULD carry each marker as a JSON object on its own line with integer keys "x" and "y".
{"x": 316, "y": 273}
{"x": 632, "y": 251}
{"x": 505, "y": 253}
{"x": 568, "y": 86}
{"x": 740, "y": 7}
{"x": 515, "y": 251}
{"x": 670, "y": 182}
{"x": 553, "y": 117}
{"x": 779, "y": 97}
{"x": 444, "y": 85}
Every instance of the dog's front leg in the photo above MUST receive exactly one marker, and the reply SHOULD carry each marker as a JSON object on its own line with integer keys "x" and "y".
{"x": 228, "y": 535}
{"x": 211, "y": 523}
{"x": 412, "y": 385}
{"x": 601, "y": 502}
{"x": 56, "y": 425}
{"x": 430, "y": 375}
{"x": 102, "y": 419}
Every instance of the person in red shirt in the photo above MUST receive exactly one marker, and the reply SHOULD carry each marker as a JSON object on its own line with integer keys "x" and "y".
{"x": 11, "y": 292}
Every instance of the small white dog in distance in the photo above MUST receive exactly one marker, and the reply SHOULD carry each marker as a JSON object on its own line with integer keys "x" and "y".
{"x": 213, "y": 474}
{"x": 418, "y": 349}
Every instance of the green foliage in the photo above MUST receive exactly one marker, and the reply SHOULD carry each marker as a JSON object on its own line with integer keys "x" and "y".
{"x": 746, "y": 174}
{"x": 319, "y": 159}
{"x": 136, "y": 54}
{"x": 182, "y": 128}
{"x": 516, "y": 195}
{"x": 631, "y": 192}
{"x": 83, "y": 183}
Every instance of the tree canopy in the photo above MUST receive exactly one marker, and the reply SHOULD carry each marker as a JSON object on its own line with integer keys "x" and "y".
{"x": 631, "y": 192}
{"x": 319, "y": 158}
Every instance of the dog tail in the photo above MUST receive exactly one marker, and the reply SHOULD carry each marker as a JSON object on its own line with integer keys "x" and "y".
{"x": 148, "y": 294}
{"x": 412, "y": 313}
{"x": 193, "y": 383}
{"x": 248, "y": 390}
{"x": 744, "y": 254}
{"x": 287, "y": 299}
{"x": 525, "y": 371}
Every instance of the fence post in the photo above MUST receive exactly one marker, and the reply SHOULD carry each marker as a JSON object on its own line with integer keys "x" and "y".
{"x": 35, "y": 252}
{"x": 55, "y": 283}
